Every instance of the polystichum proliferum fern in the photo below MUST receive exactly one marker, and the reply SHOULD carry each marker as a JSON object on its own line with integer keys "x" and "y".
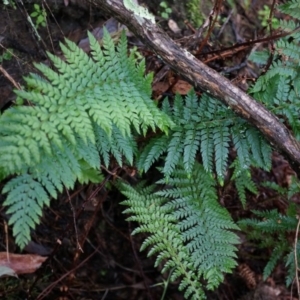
{"x": 278, "y": 89}
{"x": 189, "y": 230}
{"x": 272, "y": 229}
{"x": 77, "y": 116}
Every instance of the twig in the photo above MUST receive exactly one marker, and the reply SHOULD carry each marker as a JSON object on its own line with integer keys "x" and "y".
{"x": 49, "y": 288}
{"x": 14, "y": 83}
{"x": 74, "y": 220}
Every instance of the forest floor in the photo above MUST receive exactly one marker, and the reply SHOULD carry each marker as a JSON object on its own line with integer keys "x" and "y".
{"x": 109, "y": 264}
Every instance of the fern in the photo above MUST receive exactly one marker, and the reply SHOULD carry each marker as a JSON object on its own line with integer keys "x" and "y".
{"x": 189, "y": 230}
{"x": 206, "y": 127}
{"x": 243, "y": 181}
{"x": 271, "y": 229}
{"x": 279, "y": 88}
{"x": 78, "y": 115}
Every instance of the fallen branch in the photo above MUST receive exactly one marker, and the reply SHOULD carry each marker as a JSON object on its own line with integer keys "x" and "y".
{"x": 206, "y": 79}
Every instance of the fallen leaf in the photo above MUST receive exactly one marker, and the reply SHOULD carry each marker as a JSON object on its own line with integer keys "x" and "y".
{"x": 159, "y": 88}
{"x": 173, "y": 26}
{"x": 21, "y": 263}
{"x": 181, "y": 87}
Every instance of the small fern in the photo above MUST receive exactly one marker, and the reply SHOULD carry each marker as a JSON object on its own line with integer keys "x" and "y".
{"x": 279, "y": 88}
{"x": 78, "y": 115}
{"x": 272, "y": 228}
{"x": 189, "y": 230}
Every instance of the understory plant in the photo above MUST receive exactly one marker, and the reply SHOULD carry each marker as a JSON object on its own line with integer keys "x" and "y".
{"x": 86, "y": 110}
{"x": 271, "y": 229}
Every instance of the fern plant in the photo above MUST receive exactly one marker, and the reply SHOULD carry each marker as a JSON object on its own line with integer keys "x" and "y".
{"x": 278, "y": 89}
{"x": 76, "y": 117}
{"x": 276, "y": 230}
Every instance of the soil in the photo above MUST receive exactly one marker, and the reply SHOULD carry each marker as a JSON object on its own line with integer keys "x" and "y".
{"x": 108, "y": 264}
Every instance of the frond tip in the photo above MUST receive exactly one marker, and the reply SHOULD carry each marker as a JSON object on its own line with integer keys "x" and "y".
{"x": 26, "y": 198}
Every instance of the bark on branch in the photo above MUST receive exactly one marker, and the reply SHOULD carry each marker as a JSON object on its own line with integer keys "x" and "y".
{"x": 206, "y": 79}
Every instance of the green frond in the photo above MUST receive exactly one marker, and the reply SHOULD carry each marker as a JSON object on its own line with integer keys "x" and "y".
{"x": 221, "y": 137}
{"x": 165, "y": 238}
{"x": 122, "y": 146}
{"x": 204, "y": 126}
{"x": 207, "y": 148}
{"x": 191, "y": 147}
{"x": 26, "y": 198}
{"x": 81, "y": 113}
{"x": 152, "y": 151}
{"x": 279, "y": 88}
{"x": 291, "y": 265}
{"x": 243, "y": 181}
{"x": 292, "y": 8}
{"x": 277, "y": 253}
{"x": 175, "y": 149}
{"x": 185, "y": 221}
{"x": 271, "y": 230}
{"x": 204, "y": 224}
{"x": 241, "y": 144}
{"x": 260, "y": 149}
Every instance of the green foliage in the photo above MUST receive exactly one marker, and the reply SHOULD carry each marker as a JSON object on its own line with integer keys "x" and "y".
{"x": 264, "y": 16}
{"x": 78, "y": 115}
{"x": 195, "y": 11}
{"x": 279, "y": 88}
{"x": 7, "y": 55}
{"x": 272, "y": 230}
{"x": 92, "y": 108}
{"x": 40, "y": 16}
{"x": 165, "y": 10}
{"x": 206, "y": 127}
{"x": 189, "y": 230}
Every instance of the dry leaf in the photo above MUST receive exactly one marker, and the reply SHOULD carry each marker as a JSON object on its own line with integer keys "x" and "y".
{"x": 181, "y": 87}
{"x": 21, "y": 263}
{"x": 173, "y": 26}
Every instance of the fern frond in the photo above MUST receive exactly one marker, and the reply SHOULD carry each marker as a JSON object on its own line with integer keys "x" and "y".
{"x": 277, "y": 253}
{"x": 25, "y": 199}
{"x": 221, "y": 137}
{"x": 292, "y": 8}
{"x": 271, "y": 228}
{"x": 291, "y": 265}
{"x": 152, "y": 151}
{"x": 204, "y": 224}
{"x": 206, "y": 127}
{"x": 80, "y": 114}
{"x": 165, "y": 238}
{"x": 279, "y": 88}
{"x": 187, "y": 221}
{"x": 243, "y": 181}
